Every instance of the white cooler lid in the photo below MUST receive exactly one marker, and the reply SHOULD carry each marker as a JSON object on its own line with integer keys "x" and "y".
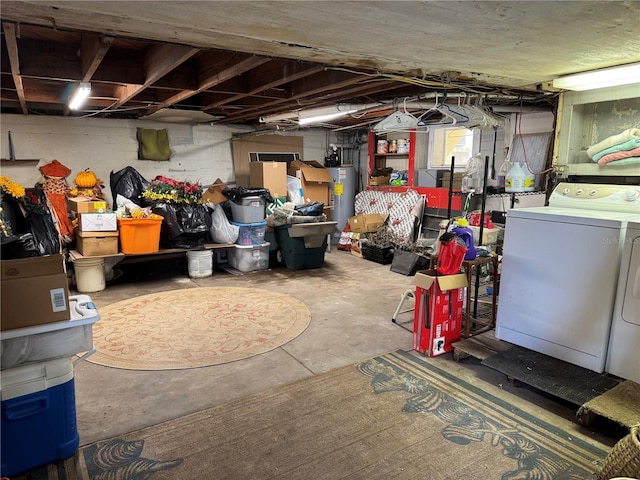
{"x": 36, "y": 377}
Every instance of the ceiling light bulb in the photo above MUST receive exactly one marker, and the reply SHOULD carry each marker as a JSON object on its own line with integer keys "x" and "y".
{"x": 79, "y": 96}
{"x": 323, "y": 118}
{"x": 608, "y": 77}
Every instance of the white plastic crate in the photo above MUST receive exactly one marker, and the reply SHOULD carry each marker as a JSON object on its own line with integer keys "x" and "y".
{"x": 249, "y": 258}
{"x": 51, "y": 340}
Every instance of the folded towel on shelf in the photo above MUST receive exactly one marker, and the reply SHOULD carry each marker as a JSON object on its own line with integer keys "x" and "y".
{"x": 628, "y": 145}
{"x": 619, "y": 157}
{"x": 608, "y": 142}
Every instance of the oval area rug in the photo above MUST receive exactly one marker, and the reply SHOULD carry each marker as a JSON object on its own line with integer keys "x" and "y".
{"x": 195, "y": 327}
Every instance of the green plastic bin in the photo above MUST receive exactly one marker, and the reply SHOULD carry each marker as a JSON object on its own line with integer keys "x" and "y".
{"x": 303, "y": 245}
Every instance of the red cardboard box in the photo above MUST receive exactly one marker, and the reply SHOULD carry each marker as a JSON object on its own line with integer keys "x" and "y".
{"x": 437, "y": 320}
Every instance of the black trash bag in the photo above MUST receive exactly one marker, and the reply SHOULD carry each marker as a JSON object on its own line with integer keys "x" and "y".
{"x": 236, "y": 194}
{"x": 45, "y": 234}
{"x": 185, "y": 225}
{"x": 19, "y": 246}
{"x": 128, "y": 183}
{"x": 40, "y": 223}
{"x": 13, "y": 216}
{"x": 314, "y": 209}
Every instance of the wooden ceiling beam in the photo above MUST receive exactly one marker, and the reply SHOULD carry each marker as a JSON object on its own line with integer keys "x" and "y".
{"x": 92, "y": 51}
{"x": 266, "y": 86}
{"x": 159, "y": 60}
{"x": 213, "y": 79}
{"x": 314, "y": 88}
{"x": 11, "y": 42}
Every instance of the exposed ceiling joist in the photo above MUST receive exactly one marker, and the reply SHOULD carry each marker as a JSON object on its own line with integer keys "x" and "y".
{"x": 159, "y": 60}
{"x": 213, "y": 79}
{"x": 92, "y": 51}
{"x": 12, "y": 47}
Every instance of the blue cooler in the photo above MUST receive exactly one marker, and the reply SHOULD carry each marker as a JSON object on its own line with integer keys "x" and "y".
{"x": 38, "y": 415}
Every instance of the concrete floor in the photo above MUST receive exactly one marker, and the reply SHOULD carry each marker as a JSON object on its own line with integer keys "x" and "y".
{"x": 351, "y": 300}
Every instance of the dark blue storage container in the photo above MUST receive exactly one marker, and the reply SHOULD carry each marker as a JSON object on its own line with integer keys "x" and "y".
{"x": 38, "y": 415}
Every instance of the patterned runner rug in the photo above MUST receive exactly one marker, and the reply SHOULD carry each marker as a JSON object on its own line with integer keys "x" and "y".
{"x": 195, "y": 327}
{"x": 393, "y": 416}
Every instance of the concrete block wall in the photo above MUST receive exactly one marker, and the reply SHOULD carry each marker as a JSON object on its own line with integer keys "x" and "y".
{"x": 201, "y": 152}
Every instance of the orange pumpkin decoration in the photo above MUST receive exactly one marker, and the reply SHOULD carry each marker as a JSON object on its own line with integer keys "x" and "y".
{"x": 86, "y": 179}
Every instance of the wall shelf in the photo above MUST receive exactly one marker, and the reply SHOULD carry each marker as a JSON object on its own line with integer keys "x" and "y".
{"x": 8, "y": 161}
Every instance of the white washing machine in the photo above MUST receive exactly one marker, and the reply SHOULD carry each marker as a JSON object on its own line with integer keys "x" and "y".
{"x": 623, "y": 354}
{"x": 560, "y": 269}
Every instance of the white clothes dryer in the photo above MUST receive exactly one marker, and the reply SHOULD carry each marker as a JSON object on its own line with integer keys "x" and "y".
{"x": 623, "y": 355}
{"x": 560, "y": 269}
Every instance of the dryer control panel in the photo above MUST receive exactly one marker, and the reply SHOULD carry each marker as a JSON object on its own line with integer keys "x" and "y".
{"x": 593, "y": 196}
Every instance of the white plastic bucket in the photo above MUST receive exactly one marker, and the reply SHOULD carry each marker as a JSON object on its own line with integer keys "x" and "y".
{"x": 200, "y": 263}
{"x": 89, "y": 274}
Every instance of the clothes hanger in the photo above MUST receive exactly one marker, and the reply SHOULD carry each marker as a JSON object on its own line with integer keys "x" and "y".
{"x": 397, "y": 121}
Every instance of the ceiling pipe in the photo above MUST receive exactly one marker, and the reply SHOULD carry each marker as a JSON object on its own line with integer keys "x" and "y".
{"x": 412, "y": 103}
{"x": 320, "y": 111}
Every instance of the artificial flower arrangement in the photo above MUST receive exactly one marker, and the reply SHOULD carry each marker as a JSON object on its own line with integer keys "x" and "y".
{"x": 131, "y": 212}
{"x": 11, "y": 194}
{"x": 9, "y": 187}
{"x": 168, "y": 190}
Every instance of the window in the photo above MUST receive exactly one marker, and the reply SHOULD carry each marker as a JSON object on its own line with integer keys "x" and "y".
{"x": 447, "y": 142}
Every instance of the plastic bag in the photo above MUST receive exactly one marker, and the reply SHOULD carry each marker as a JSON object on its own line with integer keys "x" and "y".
{"x": 19, "y": 246}
{"x": 314, "y": 209}
{"x": 238, "y": 193}
{"x": 185, "y": 225}
{"x": 128, "y": 183}
{"x": 288, "y": 214}
{"x": 221, "y": 229}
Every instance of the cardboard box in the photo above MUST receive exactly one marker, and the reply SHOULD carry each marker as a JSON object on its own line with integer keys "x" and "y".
{"x": 34, "y": 291}
{"x": 356, "y": 244}
{"x": 457, "y": 180}
{"x": 85, "y": 205}
{"x": 98, "y": 222}
{"x": 376, "y": 181}
{"x": 271, "y": 175}
{"x": 91, "y": 244}
{"x": 315, "y": 180}
{"x": 367, "y": 222}
{"x": 214, "y": 193}
{"x": 438, "y": 314}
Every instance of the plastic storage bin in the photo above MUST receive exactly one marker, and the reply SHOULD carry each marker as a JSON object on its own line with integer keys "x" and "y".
{"x": 249, "y": 258}
{"x": 51, "y": 340}
{"x": 490, "y": 236}
{"x": 139, "y": 235}
{"x": 303, "y": 245}
{"x": 250, "y": 233}
{"x": 250, "y": 210}
{"x": 38, "y": 415}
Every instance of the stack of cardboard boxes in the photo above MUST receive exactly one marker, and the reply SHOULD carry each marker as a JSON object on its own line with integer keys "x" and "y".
{"x": 97, "y": 230}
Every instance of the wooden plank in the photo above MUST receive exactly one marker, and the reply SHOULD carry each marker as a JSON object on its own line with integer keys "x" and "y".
{"x": 480, "y": 346}
{"x": 92, "y": 51}
{"x": 214, "y": 79}
{"x": 14, "y": 61}
{"x": 160, "y": 60}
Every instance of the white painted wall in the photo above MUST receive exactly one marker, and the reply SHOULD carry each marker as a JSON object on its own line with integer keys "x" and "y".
{"x": 202, "y": 152}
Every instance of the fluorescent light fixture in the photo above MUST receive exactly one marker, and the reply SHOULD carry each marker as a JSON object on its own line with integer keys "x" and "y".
{"x": 324, "y": 118}
{"x": 607, "y": 77}
{"x": 79, "y": 96}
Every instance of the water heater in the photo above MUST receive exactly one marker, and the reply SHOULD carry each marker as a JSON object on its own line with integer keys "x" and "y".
{"x": 343, "y": 192}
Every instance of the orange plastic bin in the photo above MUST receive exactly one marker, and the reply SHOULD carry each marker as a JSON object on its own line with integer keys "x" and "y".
{"x": 139, "y": 235}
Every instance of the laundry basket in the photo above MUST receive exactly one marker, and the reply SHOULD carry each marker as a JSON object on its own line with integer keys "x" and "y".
{"x": 624, "y": 458}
